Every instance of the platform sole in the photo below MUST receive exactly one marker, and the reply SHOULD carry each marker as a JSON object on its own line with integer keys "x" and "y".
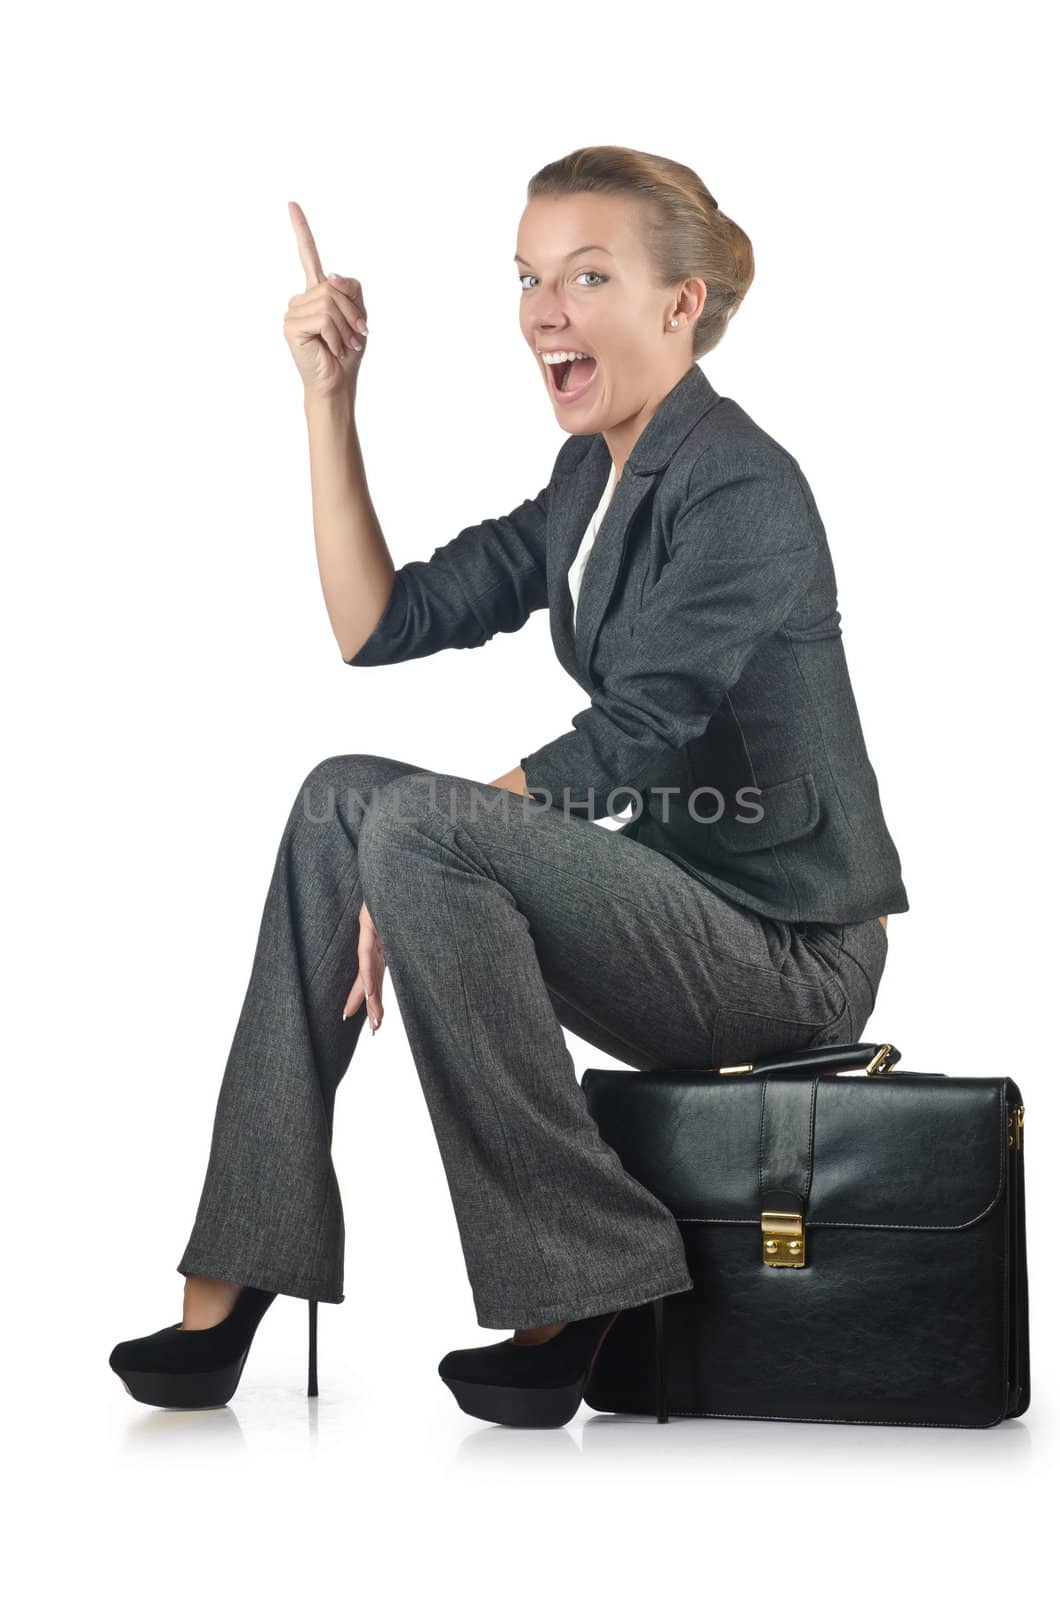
{"x": 517, "y": 1407}
{"x": 188, "y": 1391}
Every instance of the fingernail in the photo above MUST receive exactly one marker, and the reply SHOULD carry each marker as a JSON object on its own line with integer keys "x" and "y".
{"x": 361, "y": 325}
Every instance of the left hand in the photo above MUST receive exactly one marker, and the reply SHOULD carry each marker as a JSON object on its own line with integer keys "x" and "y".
{"x": 371, "y": 964}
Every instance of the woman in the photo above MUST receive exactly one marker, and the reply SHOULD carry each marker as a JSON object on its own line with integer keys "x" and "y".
{"x": 741, "y": 909}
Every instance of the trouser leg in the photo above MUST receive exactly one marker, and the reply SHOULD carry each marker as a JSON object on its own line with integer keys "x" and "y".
{"x": 488, "y": 909}
{"x": 567, "y": 922}
{"x": 270, "y": 1211}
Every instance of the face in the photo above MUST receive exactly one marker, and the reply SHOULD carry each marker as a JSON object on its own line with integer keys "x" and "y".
{"x": 603, "y": 301}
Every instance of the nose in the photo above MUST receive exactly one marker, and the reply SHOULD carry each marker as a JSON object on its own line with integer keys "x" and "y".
{"x": 551, "y": 328}
{"x": 548, "y": 310}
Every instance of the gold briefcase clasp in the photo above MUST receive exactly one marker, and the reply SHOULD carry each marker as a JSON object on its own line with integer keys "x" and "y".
{"x": 783, "y": 1240}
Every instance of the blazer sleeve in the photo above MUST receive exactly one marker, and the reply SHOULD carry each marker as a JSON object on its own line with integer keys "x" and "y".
{"x": 486, "y": 580}
{"x": 744, "y": 548}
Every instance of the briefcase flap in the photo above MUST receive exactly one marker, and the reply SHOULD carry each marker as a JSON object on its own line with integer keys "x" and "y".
{"x": 881, "y": 1152}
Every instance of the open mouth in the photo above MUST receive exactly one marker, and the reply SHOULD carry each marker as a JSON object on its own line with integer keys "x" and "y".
{"x": 571, "y": 378}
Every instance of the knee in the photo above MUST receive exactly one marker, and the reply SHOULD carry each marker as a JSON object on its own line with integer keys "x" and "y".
{"x": 359, "y": 779}
{"x": 338, "y": 772}
{"x": 347, "y": 785}
{"x": 332, "y": 801}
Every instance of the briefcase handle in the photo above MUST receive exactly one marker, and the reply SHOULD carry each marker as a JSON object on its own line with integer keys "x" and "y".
{"x": 825, "y": 1060}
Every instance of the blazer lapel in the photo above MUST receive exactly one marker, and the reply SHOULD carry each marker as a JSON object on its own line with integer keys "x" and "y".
{"x": 605, "y": 557}
{"x": 576, "y": 497}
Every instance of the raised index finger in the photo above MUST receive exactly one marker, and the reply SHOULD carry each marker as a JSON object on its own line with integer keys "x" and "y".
{"x": 307, "y": 250}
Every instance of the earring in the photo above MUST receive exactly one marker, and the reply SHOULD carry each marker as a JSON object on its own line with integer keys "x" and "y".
{"x": 673, "y": 322}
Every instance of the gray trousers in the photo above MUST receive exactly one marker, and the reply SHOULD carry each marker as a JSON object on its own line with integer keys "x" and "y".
{"x": 502, "y": 922}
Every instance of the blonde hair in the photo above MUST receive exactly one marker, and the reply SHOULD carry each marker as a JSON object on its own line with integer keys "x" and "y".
{"x": 687, "y": 236}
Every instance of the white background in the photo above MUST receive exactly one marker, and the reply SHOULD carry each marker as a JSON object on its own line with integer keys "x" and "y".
{"x": 171, "y": 677}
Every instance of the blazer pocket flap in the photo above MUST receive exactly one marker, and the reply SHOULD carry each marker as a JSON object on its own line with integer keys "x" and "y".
{"x": 789, "y": 810}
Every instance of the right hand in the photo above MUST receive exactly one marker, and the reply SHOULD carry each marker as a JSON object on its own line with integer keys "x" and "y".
{"x": 325, "y": 327}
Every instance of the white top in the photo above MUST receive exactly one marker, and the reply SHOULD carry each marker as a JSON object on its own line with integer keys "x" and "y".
{"x": 578, "y": 568}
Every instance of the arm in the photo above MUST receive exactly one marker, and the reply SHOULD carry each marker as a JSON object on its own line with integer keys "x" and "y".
{"x": 486, "y": 580}
{"x": 744, "y": 549}
{"x": 356, "y": 571}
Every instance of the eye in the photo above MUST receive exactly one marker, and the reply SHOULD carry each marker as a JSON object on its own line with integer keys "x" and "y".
{"x": 585, "y": 272}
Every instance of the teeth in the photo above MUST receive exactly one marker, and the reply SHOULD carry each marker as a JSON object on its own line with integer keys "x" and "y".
{"x": 552, "y": 358}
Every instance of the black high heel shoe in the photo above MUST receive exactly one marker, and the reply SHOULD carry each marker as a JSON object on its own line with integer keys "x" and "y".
{"x": 196, "y": 1367}
{"x": 540, "y": 1385}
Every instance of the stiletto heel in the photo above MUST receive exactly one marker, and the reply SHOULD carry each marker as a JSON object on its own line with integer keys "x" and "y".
{"x": 312, "y": 1387}
{"x": 662, "y": 1412}
{"x": 195, "y": 1367}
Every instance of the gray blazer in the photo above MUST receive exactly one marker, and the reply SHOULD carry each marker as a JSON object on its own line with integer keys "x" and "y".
{"x": 709, "y": 643}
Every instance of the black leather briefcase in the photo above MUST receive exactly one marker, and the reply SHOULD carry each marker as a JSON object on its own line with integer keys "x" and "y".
{"x": 857, "y": 1244}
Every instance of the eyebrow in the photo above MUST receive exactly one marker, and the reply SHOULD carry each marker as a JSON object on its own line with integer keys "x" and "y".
{"x": 580, "y": 250}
